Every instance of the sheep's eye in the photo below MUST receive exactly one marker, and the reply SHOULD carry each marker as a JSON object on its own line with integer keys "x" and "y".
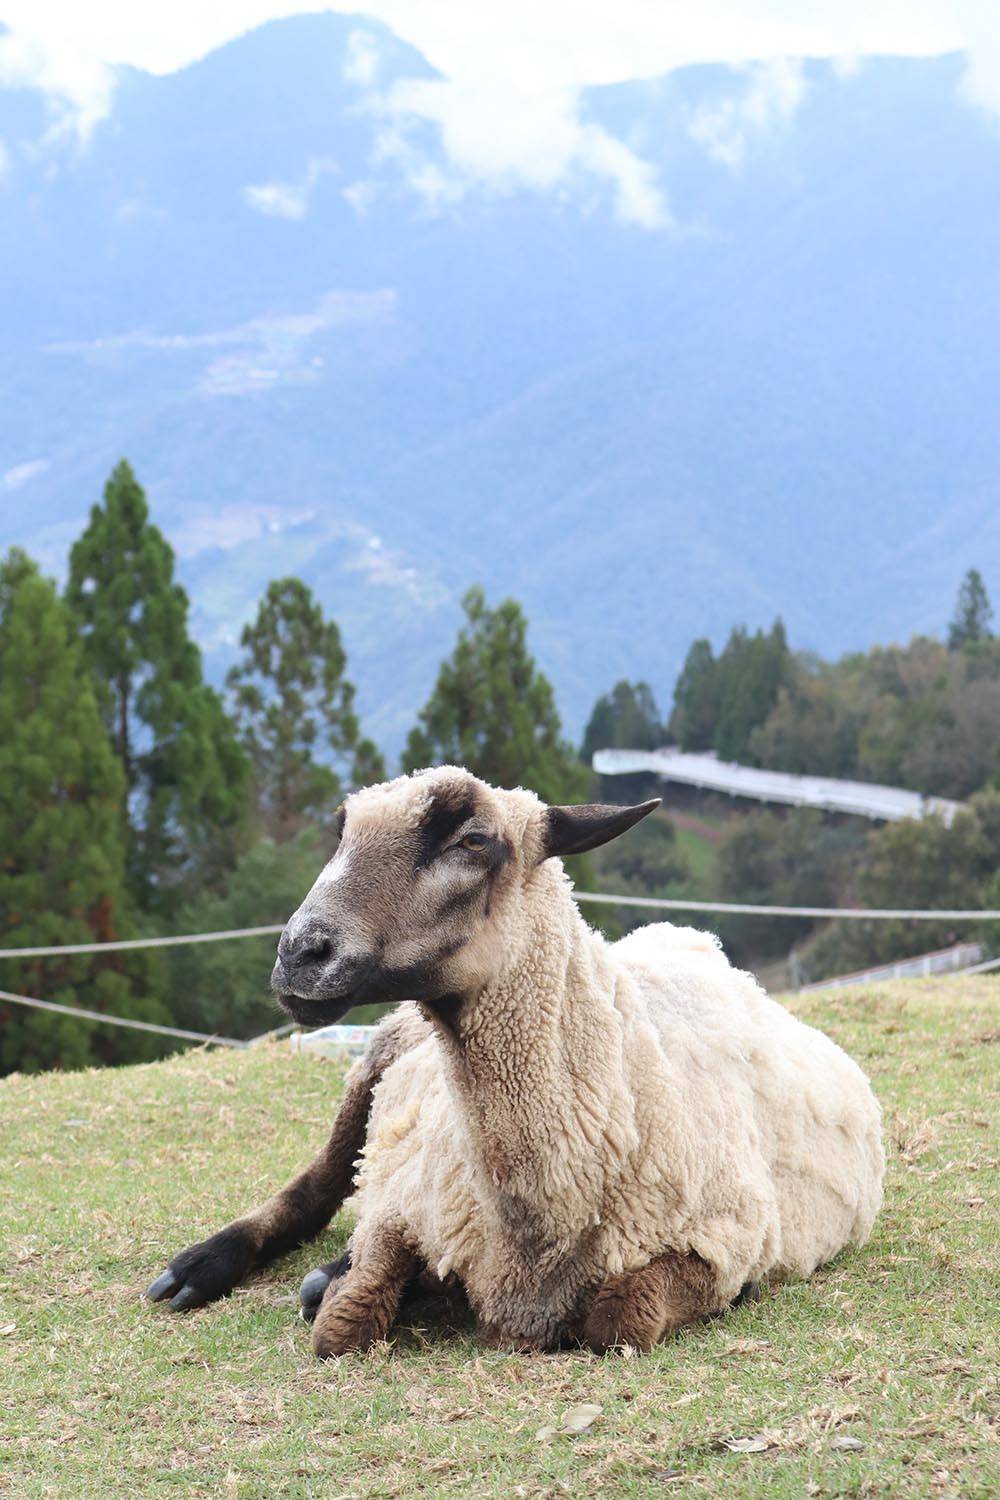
{"x": 474, "y": 841}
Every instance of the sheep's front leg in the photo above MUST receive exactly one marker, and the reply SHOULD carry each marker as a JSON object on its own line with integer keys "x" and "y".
{"x": 213, "y": 1267}
{"x": 359, "y": 1307}
{"x": 642, "y": 1307}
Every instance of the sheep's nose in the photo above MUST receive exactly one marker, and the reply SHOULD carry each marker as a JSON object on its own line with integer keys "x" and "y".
{"x": 306, "y": 947}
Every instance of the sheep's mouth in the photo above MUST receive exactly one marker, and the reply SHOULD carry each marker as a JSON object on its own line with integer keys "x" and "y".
{"x": 320, "y": 1011}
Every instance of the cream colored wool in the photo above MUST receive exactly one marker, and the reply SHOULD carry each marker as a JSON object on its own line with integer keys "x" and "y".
{"x": 603, "y": 1103}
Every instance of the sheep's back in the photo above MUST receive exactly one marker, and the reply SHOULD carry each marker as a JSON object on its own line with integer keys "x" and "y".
{"x": 775, "y": 1106}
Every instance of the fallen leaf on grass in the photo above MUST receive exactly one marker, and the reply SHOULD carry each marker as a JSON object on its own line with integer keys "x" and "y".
{"x": 578, "y": 1419}
{"x": 843, "y": 1443}
{"x": 8, "y": 1328}
{"x": 746, "y": 1444}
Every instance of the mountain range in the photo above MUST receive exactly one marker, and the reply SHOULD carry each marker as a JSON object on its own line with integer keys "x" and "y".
{"x": 739, "y": 358}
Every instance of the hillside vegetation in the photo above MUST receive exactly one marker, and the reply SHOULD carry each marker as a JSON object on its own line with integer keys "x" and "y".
{"x": 878, "y": 1377}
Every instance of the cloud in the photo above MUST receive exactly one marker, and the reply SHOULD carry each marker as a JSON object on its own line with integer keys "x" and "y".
{"x": 546, "y": 52}
{"x": 726, "y": 129}
{"x": 289, "y": 200}
{"x": 362, "y": 61}
{"x": 20, "y": 474}
{"x": 980, "y": 84}
{"x": 499, "y": 137}
{"x": 361, "y": 195}
{"x": 259, "y": 354}
{"x": 78, "y": 87}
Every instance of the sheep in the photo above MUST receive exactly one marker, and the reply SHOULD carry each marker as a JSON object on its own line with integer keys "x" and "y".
{"x": 599, "y": 1142}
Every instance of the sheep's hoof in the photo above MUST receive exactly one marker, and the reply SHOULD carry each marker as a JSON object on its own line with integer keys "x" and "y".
{"x": 342, "y": 1334}
{"x": 206, "y": 1271}
{"x": 748, "y": 1292}
{"x": 626, "y": 1311}
{"x": 314, "y": 1286}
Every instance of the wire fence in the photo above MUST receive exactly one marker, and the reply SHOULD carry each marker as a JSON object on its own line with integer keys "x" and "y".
{"x": 133, "y": 1025}
{"x": 654, "y": 903}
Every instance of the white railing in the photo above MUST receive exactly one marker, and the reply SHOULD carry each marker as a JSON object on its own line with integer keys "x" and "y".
{"x": 956, "y": 959}
{"x": 863, "y": 799}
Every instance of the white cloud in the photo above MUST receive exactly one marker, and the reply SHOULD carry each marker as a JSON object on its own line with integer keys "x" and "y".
{"x": 774, "y": 90}
{"x": 20, "y": 474}
{"x": 543, "y": 144}
{"x": 362, "y": 60}
{"x": 514, "y": 70}
{"x": 361, "y": 195}
{"x": 981, "y": 83}
{"x": 289, "y": 200}
{"x": 77, "y": 85}
{"x": 256, "y": 355}
{"x": 4, "y": 160}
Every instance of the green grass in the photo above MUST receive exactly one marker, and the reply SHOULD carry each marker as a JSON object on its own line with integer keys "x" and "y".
{"x": 105, "y": 1174}
{"x": 702, "y": 858}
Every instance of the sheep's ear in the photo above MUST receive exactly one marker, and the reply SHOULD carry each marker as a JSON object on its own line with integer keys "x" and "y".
{"x": 574, "y": 830}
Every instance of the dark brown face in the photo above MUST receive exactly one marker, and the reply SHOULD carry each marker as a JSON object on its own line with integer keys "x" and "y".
{"x": 410, "y": 890}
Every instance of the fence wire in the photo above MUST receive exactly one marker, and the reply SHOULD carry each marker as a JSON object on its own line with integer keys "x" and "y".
{"x": 652, "y": 903}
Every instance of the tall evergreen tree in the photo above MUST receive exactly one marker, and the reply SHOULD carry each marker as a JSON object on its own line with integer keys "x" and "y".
{"x": 494, "y": 712}
{"x": 294, "y": 707}
{"x": 696, "y": 699}
{"x": 62, "y": 870}
{"x": 751, "y": 671}
{"x": 973, "y": 613}
{"x": 185, "y": 772}
{"x": 627, "y": 718}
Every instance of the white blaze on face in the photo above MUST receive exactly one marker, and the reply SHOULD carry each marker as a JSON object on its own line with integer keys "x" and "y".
{"x": 334, "y": 870}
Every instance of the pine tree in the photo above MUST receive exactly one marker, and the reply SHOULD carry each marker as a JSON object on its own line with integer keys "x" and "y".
{"x": 973, "y": 613}
{"x": 751, "y": 671}
{"x": 295, "y": 710}
{"x": 493, "y": 712}
{"x": 62, "y": 871}
{"x": 696, "y": 699}
{"x": 627, "y": 718}
{"x": 184, "y": 771}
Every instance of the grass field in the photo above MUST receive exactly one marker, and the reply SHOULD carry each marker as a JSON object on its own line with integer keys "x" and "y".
{"x": 702, "y": 858}
{"x": 878, "y": 1377}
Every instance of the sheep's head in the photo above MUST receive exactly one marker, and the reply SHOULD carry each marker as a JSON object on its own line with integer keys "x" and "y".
{"x": 421, "y": 900}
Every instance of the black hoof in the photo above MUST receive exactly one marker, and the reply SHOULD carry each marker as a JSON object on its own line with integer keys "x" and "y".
{"x": 748, "y": 1292}
{"x": 206, "y": 1271}
{"x": 314, "y": 1286}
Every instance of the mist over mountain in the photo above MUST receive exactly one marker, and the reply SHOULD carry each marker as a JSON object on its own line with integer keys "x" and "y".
{"x": 741, "y": 358}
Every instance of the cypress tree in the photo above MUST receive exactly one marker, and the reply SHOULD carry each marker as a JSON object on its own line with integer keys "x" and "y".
{"x": 184, "y": 771}
{"x": 627, "y": 718}
{"x": 294, "y": 707}
{"x": 62, "y": 870}
{"x": 494, "y": 712}
{"x": 973, "y": 613}
{"x": 696, "y": 699}
{"x": 751, "y": 671}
